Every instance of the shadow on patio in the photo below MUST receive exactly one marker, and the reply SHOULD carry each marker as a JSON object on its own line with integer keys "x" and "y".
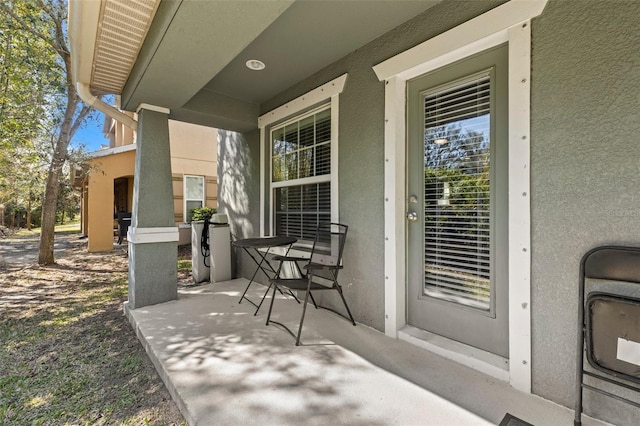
{"x": 222, "y": 365}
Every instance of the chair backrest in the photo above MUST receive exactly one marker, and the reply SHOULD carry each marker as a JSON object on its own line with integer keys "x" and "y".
{"x": 612, "y": 263}
{"x": 123, "y": 216}
{"x": 328, "y": 244}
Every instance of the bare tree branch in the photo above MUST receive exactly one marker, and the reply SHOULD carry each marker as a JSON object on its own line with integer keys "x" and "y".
{"x": 86, "y": 109}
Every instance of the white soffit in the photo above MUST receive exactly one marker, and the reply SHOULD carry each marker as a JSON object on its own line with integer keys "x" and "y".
{"x": 122, "y": 28}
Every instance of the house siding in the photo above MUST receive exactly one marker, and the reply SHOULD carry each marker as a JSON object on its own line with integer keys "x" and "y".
{"x": 585, "y": 123}
{"x": 585, "y": 164}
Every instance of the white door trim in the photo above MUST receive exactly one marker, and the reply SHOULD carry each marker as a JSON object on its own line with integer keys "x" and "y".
{"x": 510, "y": 23}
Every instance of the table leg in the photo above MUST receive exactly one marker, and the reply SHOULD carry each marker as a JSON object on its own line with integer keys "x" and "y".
{"x": 258, "y": 268}
{"x": 267, "y": 269}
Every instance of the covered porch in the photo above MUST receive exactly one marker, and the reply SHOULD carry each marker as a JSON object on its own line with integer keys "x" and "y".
{"x": 222, "y": 365}
{"x": 322, "y": 114}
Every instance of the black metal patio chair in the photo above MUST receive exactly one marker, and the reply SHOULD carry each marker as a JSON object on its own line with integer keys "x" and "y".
{"x": 124, "y": 221}
{"x": 324, "y": 264}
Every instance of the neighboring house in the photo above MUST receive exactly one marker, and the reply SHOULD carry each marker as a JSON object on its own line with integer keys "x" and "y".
{"x": 107, "y": 191}
{"x": 476, "y": 149}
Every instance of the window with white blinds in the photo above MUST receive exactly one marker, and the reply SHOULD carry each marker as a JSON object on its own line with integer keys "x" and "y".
{"x": 193, "y": 195}
{"x": 457, "y": 191}
{"x": 301, "y": 174}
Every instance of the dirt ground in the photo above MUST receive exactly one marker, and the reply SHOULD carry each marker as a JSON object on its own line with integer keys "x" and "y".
{"x": 68, "y": 355}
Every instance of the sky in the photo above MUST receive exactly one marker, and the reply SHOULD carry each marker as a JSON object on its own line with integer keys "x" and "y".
{"x": 90, "y": 135}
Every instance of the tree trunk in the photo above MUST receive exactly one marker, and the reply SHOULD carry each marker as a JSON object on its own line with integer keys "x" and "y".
{"x": 29, "y": 213}
{"x": 47, "y": 230}
{"x": 49, "y": 203}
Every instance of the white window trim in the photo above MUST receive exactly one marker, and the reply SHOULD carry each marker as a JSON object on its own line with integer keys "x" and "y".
{"x": 510, "y": 23}
{"x": 184, "y": 194}
{"x": 329, "y": 91}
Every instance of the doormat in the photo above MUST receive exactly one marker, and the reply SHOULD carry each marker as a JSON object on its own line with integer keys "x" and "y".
{"x": 510, "y": 420}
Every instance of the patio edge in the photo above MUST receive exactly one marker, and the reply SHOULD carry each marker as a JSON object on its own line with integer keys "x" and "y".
{"x": 160, "y": 369}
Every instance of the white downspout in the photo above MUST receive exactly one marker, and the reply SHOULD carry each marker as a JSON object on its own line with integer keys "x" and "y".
{"x": 88, "y": 98}
{"x": 82, "y": 29}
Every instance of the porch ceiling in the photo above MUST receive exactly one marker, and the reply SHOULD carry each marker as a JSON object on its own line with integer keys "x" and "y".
{"x": 306, "y": 38}
{"x": 193, "y": 57}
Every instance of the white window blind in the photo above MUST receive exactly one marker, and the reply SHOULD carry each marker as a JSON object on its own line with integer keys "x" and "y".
{"x": 457, "y": 253}
{"x": 300, "y": 208}
{"x": 301, "y": 174}
{"x": 193, "y": 195}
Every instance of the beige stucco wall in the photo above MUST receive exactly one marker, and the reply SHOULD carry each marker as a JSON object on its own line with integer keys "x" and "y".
{"x": 193, "y": 149}
{"x": 100, "y": 195}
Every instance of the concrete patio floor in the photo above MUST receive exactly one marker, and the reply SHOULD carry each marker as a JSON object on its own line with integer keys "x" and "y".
{"x": 223, "y": 366}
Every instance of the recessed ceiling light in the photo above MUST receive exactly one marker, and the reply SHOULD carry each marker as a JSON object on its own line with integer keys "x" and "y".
{"x": 256, "y": 65}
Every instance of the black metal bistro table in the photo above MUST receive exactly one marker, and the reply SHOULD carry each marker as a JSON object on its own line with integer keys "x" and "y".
{"x": 253, "y": 247}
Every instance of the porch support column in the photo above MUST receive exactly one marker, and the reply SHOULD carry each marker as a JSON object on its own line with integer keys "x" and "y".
{"x": 153, "y": 236}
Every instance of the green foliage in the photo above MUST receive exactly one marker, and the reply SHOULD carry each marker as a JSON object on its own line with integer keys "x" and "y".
{"x": 184, "y": 265}
{"x": 30, "y": 76}
{"x": 202, "y": 213}
{"x": 468, "y": 190}
{"x": 457, "y": 172}
{"x": 68, "y": 205}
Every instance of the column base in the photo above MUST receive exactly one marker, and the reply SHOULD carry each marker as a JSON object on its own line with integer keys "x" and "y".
{"x": 153, "y": 273}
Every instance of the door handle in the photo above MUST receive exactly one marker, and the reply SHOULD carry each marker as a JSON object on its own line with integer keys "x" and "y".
{"x": 412, "y": 216}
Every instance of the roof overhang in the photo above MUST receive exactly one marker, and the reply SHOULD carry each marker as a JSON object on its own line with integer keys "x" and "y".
{"x": 106, "y": 37}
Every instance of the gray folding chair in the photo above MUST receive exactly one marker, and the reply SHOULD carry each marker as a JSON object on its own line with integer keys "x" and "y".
{"x": 608, "y": 325}
{"x": 325, "y": 262}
